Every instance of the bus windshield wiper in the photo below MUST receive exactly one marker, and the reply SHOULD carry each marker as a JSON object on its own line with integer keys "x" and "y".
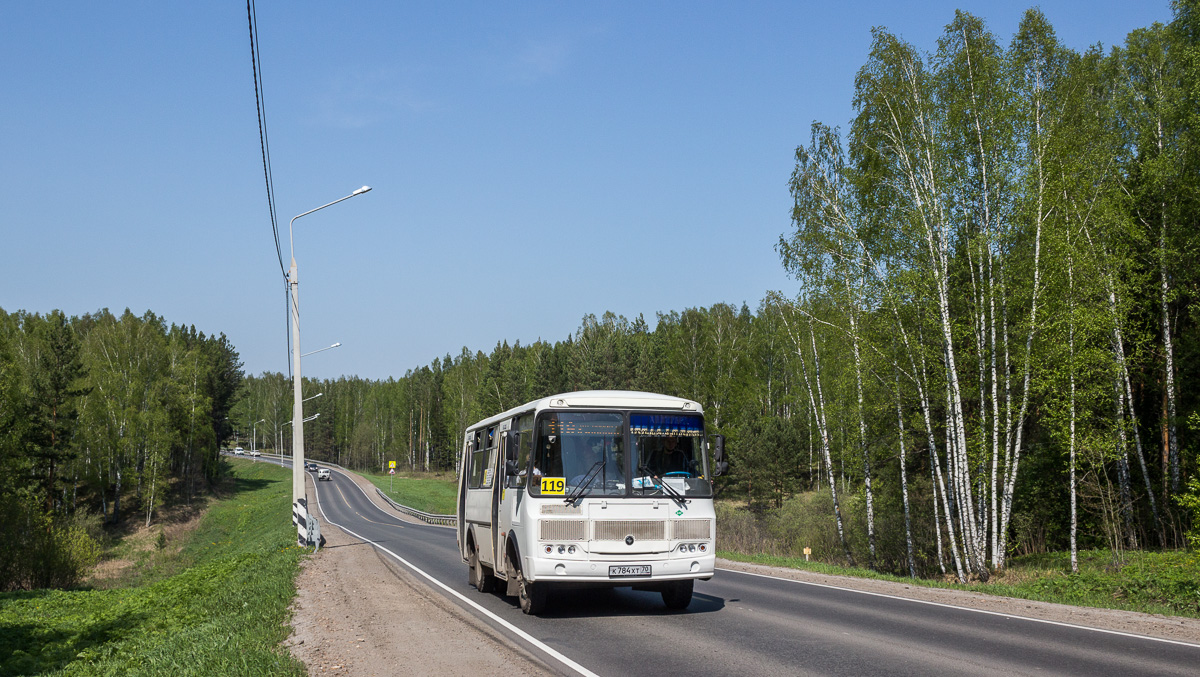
{"x": 587, "y": 482}
{"x": 668, "y": 489}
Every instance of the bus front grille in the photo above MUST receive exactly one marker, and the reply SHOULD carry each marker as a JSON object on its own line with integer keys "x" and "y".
{"x": 563, "y": 530}
{"x": 692, "y": 530}
{"x": 642, "y": 530}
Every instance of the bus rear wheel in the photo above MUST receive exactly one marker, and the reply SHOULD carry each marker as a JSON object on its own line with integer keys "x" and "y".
{"x": 531, "y": 595}
{"x": 678, "y": 594}
{"x": 479, "y": 575}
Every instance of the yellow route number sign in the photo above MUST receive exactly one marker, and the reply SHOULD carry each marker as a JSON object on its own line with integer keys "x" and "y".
{"x": 554, "y": 486}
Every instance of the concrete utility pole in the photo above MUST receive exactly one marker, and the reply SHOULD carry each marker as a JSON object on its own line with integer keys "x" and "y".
{"x": 299, "y": 499}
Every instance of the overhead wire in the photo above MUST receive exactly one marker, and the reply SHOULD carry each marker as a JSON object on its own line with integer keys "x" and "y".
{"x": 260, "y": 107}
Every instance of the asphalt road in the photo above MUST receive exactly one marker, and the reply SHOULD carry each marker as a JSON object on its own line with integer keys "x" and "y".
{"x": 746, "y": 624}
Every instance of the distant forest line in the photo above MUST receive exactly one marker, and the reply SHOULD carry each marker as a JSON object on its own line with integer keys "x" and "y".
{"x": 992, "y": 347}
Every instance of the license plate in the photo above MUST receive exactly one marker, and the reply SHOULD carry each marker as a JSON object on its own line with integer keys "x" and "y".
{"x": 623, "y": 571}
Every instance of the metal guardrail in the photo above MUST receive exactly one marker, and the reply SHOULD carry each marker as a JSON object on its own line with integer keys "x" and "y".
{"x": 429, "y": 518}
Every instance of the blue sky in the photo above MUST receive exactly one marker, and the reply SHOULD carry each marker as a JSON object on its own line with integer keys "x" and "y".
{"x": 529, "y": 164}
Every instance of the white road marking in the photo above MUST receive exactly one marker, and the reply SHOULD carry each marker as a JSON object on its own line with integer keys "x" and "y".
{"x": 963, "y": 608}
{"x": 509, "y": 626}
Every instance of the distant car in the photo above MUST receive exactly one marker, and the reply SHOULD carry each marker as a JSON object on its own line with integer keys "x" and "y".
{"x": 256, "y": 453}
{"x": 239, "y": 451}
{"x": 324, "y": 474}
{"x": 312, "y": 467}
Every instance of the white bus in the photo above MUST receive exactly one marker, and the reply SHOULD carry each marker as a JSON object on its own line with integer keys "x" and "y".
{"x": 596, "y": 488}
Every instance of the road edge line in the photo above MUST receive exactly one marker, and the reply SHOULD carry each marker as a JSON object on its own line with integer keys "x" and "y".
{"x": 963, "y": 608}
{"x": 509, "y": 626}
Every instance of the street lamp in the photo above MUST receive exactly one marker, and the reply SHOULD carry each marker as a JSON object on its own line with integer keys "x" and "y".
{"x": 254, "y": 434}
{"x": 314, "y": 416}
{"x": 312, "y": 398}
{"x": 299, "y": 502}
{"x": 322, "y": 349}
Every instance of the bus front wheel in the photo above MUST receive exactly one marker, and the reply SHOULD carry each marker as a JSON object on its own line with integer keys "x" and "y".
{"x": 532, "y": 595}
{"x": 678, "y": 594}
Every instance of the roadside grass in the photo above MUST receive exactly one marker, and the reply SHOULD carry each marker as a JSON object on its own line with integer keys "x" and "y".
{"x": 1165, "y": 583}
{"x": 218, "y": 606}
{"x": 428, "y": 492}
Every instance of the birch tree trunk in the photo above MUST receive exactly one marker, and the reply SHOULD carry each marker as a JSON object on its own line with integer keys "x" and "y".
{"x": 1071, "y": 371}
{"x": 862, "y": 440}
{"x": 817, "y": 402}
{"x": 908, "y": 540}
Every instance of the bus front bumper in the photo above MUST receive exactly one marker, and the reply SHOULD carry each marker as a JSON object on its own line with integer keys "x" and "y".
{"x": 620, "y": 572}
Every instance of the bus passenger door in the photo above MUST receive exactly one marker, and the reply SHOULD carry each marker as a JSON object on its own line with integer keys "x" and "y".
{"x": 464, "y": 471}
{"x": 501, "y": 512}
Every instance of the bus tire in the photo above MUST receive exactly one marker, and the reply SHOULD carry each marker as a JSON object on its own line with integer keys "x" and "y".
{"x": 484, "y": 581}
{"x": 677, "y": 595}
{"x": 472, "y": 559}
{"x": 532, "y": 596}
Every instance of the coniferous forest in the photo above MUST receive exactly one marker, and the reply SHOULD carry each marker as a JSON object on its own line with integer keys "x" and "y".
{"x": 102, "y": 418}
{"x": 991, "y": 348}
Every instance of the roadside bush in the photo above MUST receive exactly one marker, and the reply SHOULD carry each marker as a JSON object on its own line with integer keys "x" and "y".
{"x": 42, "y": 551}
{"x": 807, "y": 520}
{"x": 804, "y": 520}
{"x": 1190, "y": 502}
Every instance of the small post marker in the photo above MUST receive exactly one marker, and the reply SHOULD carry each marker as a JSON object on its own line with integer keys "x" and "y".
{"x": 807, "y": 552}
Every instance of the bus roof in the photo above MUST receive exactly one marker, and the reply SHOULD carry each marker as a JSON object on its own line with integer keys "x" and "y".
{"x": 598, "y": 399}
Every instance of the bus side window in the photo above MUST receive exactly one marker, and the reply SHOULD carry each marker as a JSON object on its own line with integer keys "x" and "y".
{"x": 489, "y": 459}
{"x": 547, "y": 460}
{"x": 478, "y": 460}
{"x": 522, "y": 430}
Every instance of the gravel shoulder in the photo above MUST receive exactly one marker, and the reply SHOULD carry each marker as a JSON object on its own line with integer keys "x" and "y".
{"x": 358, "y": 612}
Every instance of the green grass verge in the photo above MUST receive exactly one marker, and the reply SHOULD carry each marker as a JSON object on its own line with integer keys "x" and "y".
{"x": 223, "y": 612}
{"x": 426, "y": 492}
{"x": 1165, "y": 583}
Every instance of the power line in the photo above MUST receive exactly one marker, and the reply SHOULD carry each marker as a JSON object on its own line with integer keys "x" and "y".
{"x": 260, "y": 107}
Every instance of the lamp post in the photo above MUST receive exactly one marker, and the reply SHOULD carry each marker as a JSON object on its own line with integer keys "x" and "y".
{"x": 299, "y": 501}
{"x": 254, "y": 434}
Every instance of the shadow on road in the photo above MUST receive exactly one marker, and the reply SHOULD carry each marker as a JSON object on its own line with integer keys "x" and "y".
{"x": 617, "y": 602}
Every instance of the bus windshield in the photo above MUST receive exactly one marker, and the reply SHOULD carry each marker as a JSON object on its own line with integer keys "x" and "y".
{"x": 577, "y": 450}
{"x": 584, "y": 453}
{"x": 668, "y": 449}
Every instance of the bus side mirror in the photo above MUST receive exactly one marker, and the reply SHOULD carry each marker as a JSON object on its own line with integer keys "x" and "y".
{"x": 719, "y": 464}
